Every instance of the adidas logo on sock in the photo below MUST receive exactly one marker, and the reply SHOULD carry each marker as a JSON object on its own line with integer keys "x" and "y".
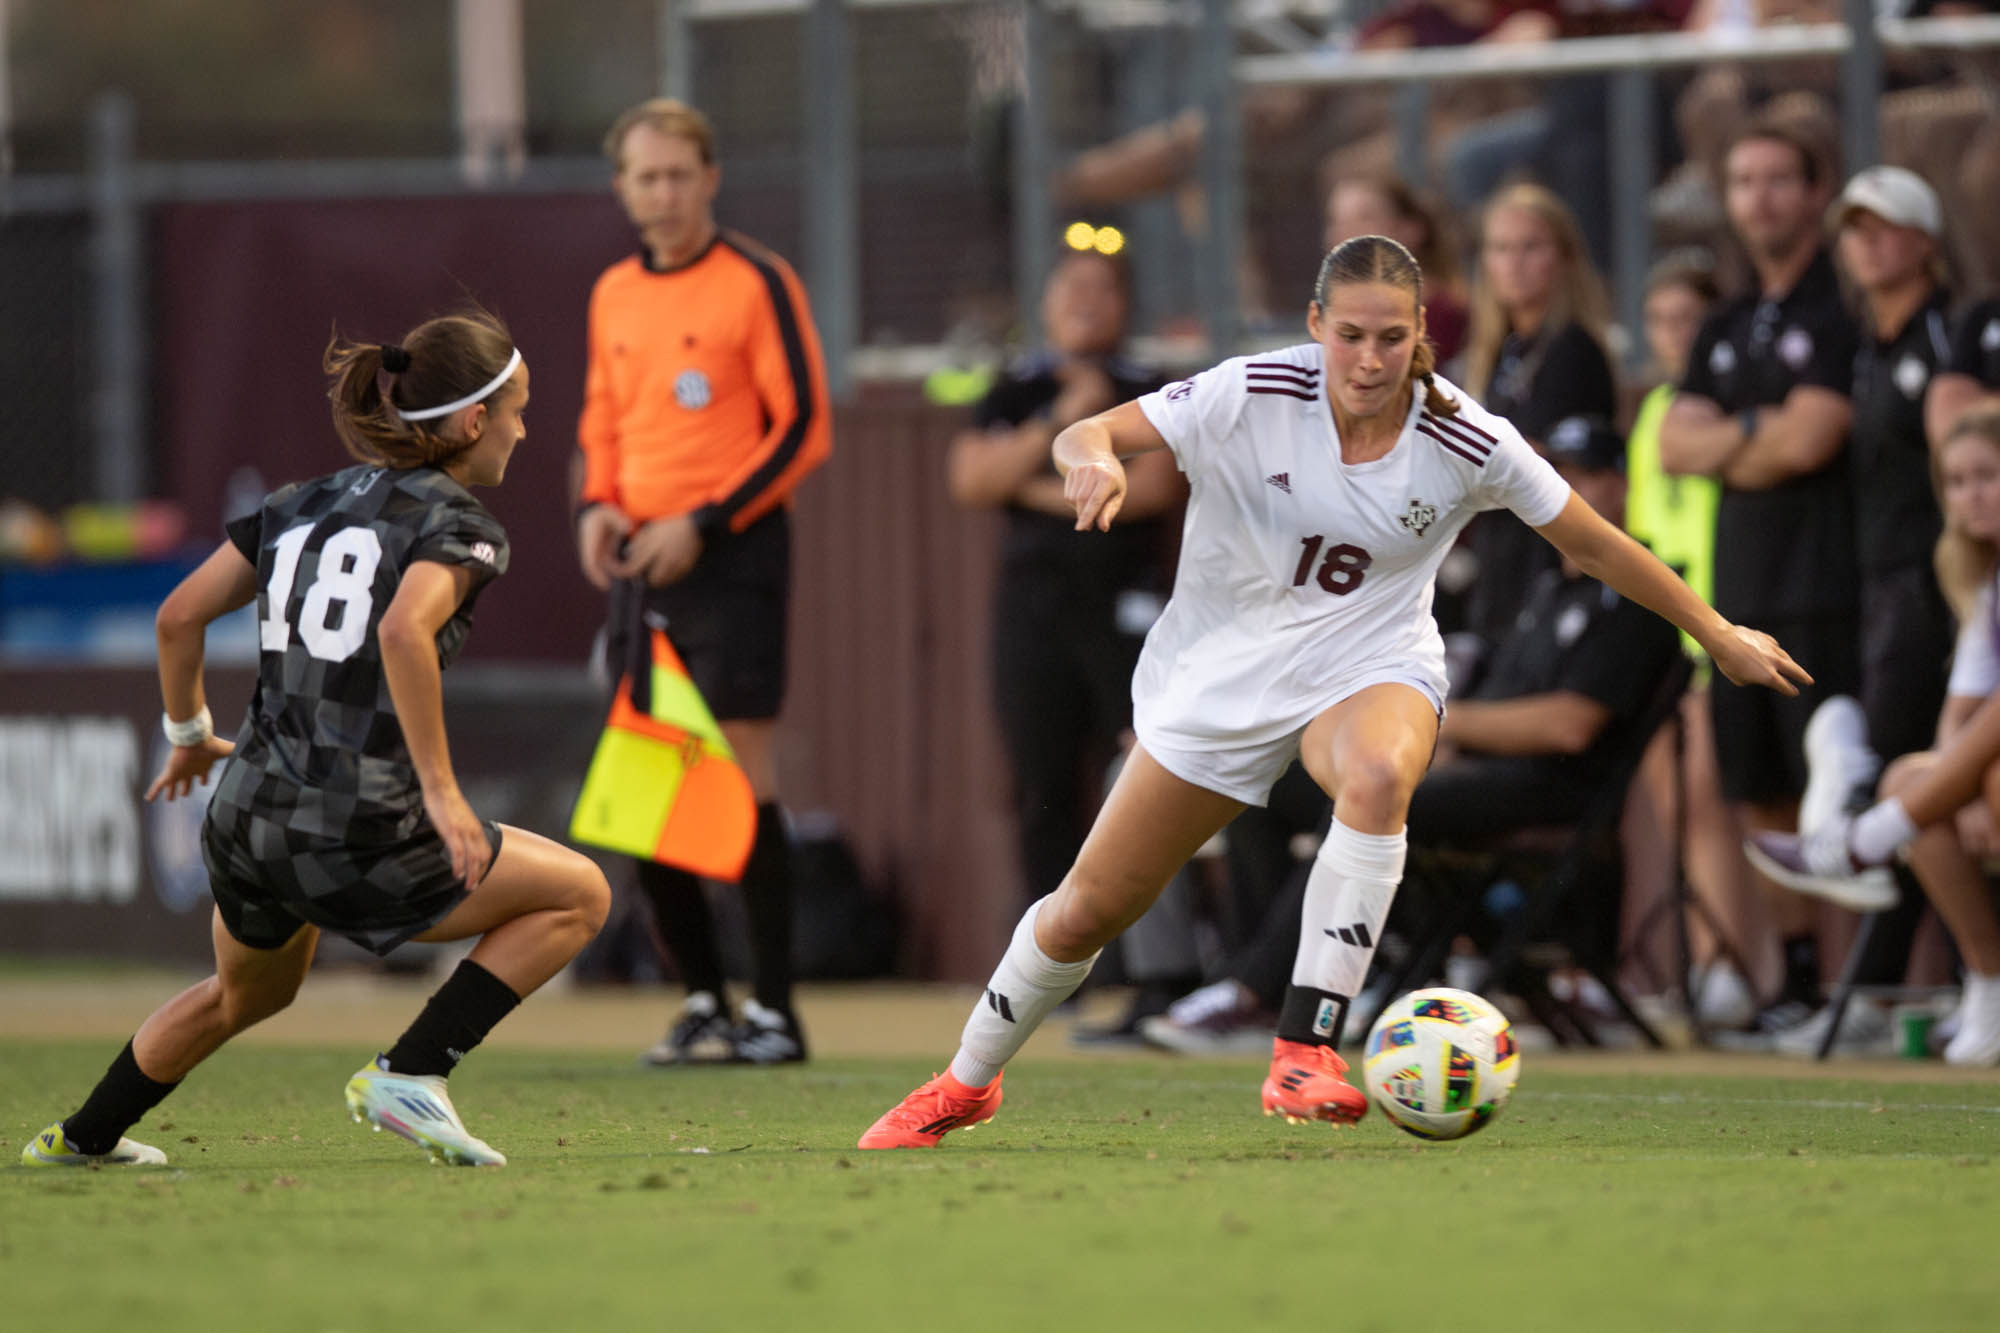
{"x": 1282, "y": 480}
{"x": 1356, "y": 935}
{"x": 998, "y": 1004}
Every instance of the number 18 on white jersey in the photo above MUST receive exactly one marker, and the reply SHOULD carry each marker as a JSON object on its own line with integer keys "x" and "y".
{"x": 1303, "y": 578}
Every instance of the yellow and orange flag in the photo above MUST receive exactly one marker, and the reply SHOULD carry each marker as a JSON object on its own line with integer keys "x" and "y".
{"x": 664, "y": 784}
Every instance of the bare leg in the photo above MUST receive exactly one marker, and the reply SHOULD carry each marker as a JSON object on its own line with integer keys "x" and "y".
{"x": 1951, "y": 878}
{"x": 536, "y": 909}
{"x": 1715, "y": 862}
{"x": 249, "y": 986}
{"x": 1150, "y": 825}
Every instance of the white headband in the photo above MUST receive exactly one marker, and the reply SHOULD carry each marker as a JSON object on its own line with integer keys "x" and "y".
{"x": 425, "y": 414}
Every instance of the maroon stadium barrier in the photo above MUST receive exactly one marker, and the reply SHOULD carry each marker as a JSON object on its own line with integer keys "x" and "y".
{"x": 888, "y": 724}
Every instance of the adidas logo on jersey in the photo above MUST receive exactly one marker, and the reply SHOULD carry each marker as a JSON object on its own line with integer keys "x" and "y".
{"x": 483, "y": 551}
{"x": 1356, "y": 935}
{"x": 1282, "y": 480}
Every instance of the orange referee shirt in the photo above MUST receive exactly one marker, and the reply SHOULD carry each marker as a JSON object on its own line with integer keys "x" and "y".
{"x": 705, "y": 392}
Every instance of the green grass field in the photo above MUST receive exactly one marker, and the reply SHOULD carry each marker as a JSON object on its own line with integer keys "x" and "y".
{"x": 1128, "y": 1194}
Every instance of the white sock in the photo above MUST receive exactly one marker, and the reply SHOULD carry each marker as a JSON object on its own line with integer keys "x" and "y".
{"x": 1025, "y": 989}
{"x": 1879, "y": 831}
{"x": 1348, "y": 893}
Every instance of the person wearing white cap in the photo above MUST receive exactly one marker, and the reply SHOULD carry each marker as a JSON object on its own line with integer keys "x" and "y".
{"x": 1887, "y": 227}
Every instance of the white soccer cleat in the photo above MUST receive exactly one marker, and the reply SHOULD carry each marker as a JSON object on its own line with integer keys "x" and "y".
{"x": 52, "y": 1147}
{"x": 1820, "y": 863}
{"x": 417, "y": 1107}
{"x": 1976, "y": 1044}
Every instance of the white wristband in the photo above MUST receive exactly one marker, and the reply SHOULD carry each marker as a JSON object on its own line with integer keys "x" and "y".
{"x": 194, "y": 731}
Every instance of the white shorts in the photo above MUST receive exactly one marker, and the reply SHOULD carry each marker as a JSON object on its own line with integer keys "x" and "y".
{"x": 1247, "y": 772}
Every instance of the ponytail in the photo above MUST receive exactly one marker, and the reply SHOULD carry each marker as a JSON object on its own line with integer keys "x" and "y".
{"x": 439, "y": 361}
{"x": 1423, "y": 369}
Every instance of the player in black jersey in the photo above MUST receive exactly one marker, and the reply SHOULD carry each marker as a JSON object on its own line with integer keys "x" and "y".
{"x": 337, "y": 808}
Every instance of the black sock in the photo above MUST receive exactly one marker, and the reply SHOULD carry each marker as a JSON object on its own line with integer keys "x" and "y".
{"x": 1801, "y": 968}
{"x": 1300, "y": 1018}
{"x": 456, "y": 1019}
{"x": 767, "y": 902}
{"x": 687, "y": 928}
{"x": 114, "y": 1105}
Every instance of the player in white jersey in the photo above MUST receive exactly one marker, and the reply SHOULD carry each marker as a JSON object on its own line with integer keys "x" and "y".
{"x": 1326, "y": 484}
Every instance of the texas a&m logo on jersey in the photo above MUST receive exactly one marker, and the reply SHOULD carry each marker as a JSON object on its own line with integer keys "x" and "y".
{"x": 1419, "y": 517}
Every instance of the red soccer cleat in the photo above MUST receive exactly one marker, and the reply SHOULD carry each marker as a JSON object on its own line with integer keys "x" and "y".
{"x": 932, "y": 1111}
{"x": 1306, "y": 1084}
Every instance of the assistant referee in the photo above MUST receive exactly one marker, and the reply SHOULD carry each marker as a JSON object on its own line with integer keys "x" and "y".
{"x": 704, "y": 407}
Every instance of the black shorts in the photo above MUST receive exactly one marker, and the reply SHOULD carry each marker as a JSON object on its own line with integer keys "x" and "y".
{"x": 1760, "y": 733}
{"x": 728, "y": 620}
{"x": 1906, "y": 641}
{"x": 268, "y": 882}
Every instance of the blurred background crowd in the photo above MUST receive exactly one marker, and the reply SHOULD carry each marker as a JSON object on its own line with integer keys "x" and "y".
{"x": 1008, "y": 211}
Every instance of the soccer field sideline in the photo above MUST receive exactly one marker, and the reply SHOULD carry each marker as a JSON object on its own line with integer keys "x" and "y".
{"x": 883, "y": 1020}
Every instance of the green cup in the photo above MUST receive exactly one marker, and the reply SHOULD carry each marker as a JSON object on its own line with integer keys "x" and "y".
{"x": 1913, "y": 1032}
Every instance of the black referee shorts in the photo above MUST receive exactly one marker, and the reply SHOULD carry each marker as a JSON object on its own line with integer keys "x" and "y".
{"x": 269, "y": 881}
{"x": 1760, "y": 734}
{"x": 728, "y": 619}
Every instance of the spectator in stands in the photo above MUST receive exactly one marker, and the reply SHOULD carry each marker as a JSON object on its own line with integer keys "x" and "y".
{"x": 1070, "y": 611}
{"x": 1889, "y": 229}
{"x": 1559, "y": 141}
{"x": 1765, "y": 410}
{"x": 1675, "y": 515}
{"x": 1380, "y": 204}
{"x": 1527, "y": 747}
{"x": 1938, "y": 808}
{"x": 1347, "y": 130}
{"x": 1535, "y": 355}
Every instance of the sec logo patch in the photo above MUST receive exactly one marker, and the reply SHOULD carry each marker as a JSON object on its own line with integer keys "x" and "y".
{"x": 691, "y": 390}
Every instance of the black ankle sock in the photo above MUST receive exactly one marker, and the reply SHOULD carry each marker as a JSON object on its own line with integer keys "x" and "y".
{"x": 687, "y": 928}
{"x": 767, "y": 902}
{"x": 456, "y": 1019}
{"x": 1801, "y": 968}
{"x": 114, "y": 1105}
{"x": 1299, "y": 1019}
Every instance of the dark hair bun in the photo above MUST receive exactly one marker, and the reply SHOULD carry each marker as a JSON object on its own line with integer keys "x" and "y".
{"x": 394, "y": 359}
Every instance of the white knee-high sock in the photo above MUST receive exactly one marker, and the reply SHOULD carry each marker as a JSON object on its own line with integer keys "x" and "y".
{"x": 1348, "y": 892}
{"x": 1025, "y": 989}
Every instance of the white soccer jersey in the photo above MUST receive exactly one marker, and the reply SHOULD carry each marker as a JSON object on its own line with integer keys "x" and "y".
{"x": 1301, "y": 576}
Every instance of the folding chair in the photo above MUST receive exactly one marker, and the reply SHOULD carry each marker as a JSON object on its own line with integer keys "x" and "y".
{"x": 1572, "y": 878}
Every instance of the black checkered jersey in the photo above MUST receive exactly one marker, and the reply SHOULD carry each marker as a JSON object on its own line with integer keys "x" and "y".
{"x": 320, "y": 752}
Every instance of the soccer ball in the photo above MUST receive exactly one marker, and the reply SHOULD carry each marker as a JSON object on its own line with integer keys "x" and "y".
{"x": 1440, "y": 1063}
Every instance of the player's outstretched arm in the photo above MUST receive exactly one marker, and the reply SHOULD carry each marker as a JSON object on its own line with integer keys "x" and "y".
{"x": 407, "y": 636}
{"x": 219, "y": 585}
{"x": 1745, "y": 656}
{"x": 1088, "y": 453}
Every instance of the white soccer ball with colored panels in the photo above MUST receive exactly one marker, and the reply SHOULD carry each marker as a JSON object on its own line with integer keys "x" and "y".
{"x": 1440, "y": 1063}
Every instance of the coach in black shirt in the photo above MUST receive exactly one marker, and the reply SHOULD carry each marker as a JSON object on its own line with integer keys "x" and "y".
{"x": 1889, "y": 223}
{"x": 1765, "y": 409}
